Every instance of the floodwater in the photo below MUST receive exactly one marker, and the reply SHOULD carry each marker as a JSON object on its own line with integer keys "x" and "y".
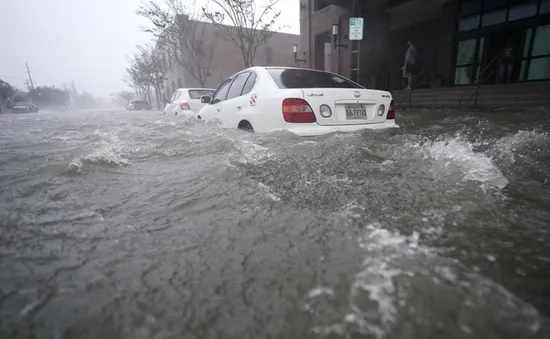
{"x": 139, "y": 225}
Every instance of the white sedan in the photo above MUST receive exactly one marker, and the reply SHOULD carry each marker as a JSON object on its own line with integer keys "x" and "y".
{"x": 305, "y": 102}
{"x": 187, "y": 100}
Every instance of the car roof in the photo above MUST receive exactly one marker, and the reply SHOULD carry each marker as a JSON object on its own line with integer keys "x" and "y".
{"x": 196, "y": 89}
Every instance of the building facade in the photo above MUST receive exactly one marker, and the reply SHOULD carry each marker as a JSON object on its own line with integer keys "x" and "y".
{"x": 458, "y": 41}
{"x": 226, "y": 59}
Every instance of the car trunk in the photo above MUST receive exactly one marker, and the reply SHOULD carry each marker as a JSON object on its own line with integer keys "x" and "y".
{"x": 195, "y": 95}
{"x": 195, "y": 105}
{"x": 349, "y": 106}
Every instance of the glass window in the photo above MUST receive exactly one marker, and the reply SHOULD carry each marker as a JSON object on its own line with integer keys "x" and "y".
{"x": 237, "y": 85}
{"x": 468, "y": 23}
{"x": 524, "y": 10}
{"x": 175, "y": 96}
{"x": 221, "y": 93}
{"x": 480, "y": 53}
{"x": 470, "y": 7}
{"x": 541, "y": 45}
{"x": 545, "y": 6}
{"x": 249, "y": 83}
{"x": 527, "y": 42}
{"x": 494, "y": 17}
{"x": 490, "y": 4}
{"x": 463, "y": 75}
{"x": 522, "y": 70}
{"x": 539, "y": 69}
{"x": 305, "y": 78}
{"x": 466, "y": 50}
{"x": 198, "y": 93}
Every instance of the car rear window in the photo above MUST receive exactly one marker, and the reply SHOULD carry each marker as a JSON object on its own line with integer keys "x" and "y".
{"x": 305, "y": 78}
{"x": 198, "y": 93}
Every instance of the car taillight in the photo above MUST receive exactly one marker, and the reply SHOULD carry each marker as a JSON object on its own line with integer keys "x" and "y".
{"x": 391, "y": 111}
{"x": 185, "y": 105}
{"x": 297, "y": 110}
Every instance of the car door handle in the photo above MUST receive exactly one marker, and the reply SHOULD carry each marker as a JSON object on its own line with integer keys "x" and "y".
{"x": 217, "y": 109}
{"x": 239, "y": 106}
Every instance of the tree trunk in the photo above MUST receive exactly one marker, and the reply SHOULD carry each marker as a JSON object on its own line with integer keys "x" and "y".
{"x": 2, "y": 105}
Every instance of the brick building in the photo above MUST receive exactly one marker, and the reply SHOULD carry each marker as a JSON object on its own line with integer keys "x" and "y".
{"x": 227, "y": 59}
{"x": 458, "y": 40}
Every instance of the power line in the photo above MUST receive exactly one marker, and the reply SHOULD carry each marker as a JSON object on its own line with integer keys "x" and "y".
{"x": 30, "y": 78}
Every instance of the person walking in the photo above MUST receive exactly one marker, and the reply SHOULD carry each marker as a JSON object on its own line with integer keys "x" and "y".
{"x": 410, "y": 68}
{"x": 507, "y": 62}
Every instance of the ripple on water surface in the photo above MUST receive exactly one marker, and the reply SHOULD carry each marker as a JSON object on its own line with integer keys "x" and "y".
{"x": 138, "y": 225}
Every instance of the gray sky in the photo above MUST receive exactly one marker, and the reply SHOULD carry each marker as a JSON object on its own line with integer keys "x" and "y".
{"x": 85, "y": 41}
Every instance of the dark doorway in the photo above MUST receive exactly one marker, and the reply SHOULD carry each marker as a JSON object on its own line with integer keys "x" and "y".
{"x": 492, "y": 51}
{"x": 322, "y": 51}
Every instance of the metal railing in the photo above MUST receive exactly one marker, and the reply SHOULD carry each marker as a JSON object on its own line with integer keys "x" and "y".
{"x": 478, "y": 82}
{"x": 408, "y": 92}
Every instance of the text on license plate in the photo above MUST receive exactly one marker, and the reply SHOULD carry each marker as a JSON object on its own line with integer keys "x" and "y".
{"x": 356, "y": 112}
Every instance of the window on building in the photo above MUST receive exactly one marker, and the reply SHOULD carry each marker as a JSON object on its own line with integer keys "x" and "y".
{"x": 492, "y": 4}
{"x": 173, "y": 86}
{"x": 469, "y": 7}
{"x": 541, "y": 44}
{"x": 523, "y": 10}
{"x": 180, "y": 83}
{"x": 494, "y": 17}
{"x": 164, "y": 65}
{"x": 469, "y": 23}
{"x": 539, "y": 69}
{"x": 467, "y": 61}
{"x": 536, "y": 57}
{"x": 169, "y": 61}
{"x": 483, "y": 13}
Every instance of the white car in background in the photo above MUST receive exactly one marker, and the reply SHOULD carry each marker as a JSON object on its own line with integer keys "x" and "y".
{"x": 303, "y": 101}
{"x": 187, "y": 100}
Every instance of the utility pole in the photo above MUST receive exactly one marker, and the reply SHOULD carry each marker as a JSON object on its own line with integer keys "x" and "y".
{"x": 30, "y": 78}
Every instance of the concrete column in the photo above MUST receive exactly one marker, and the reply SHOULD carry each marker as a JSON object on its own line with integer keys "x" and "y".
{"x": 447, "y": 41}
{"x": 375, "y": 49}
{"x": 305, "y": 7}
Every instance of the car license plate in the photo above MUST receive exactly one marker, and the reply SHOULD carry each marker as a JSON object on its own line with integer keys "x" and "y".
{"x": 356, "y": 112}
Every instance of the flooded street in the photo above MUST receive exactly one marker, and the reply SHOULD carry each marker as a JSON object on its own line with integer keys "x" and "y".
{"x": 139, "y": 225}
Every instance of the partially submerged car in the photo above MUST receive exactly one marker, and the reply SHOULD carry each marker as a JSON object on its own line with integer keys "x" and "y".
{"x": 187, "y": 100}
{"x": 24, "y": 107}
{"x": 303, "y": 101}
{"x": 138, "y": 105}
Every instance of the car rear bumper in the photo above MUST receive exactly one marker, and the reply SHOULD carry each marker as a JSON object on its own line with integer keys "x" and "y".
{"x": 312, "y": 130}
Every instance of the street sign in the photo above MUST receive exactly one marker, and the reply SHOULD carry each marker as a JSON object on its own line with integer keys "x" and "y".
{"x": 356, "y": 28}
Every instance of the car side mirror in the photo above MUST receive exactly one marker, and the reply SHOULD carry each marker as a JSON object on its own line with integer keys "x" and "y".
{"x": 205, "y": 99}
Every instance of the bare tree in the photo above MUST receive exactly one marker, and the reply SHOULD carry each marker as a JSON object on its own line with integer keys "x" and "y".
{"x": 250, "y": 26}
{"x": 182, "y": 35}
{"x": 145, "y": 73}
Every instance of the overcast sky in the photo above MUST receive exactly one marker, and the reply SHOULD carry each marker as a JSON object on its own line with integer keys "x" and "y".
{"x": 85, "y": 41}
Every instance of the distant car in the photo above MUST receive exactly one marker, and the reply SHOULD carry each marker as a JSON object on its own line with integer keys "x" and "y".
{"x": 187, "y": 100}
{"x": 24, "y": 107}
{"x": 138, "y": 105}
{"x": 303, "y": 101}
